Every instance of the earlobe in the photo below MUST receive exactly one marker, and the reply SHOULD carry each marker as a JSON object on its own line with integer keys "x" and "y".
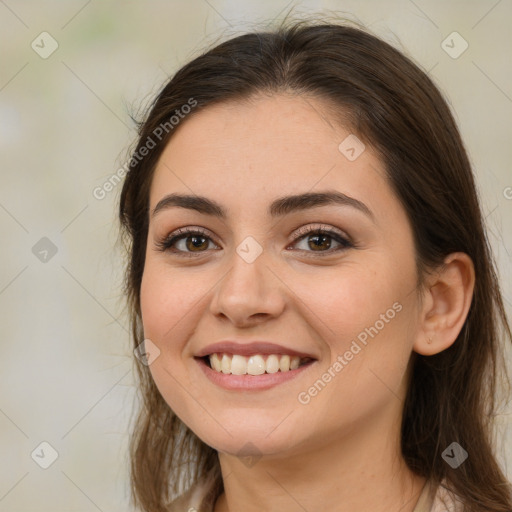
{"x": 446, "y": 304}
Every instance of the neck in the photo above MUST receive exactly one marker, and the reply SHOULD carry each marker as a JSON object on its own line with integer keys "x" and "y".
{"x": 359, "y": 470}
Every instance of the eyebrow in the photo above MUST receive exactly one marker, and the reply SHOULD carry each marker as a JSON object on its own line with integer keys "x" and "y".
{"x": 278, "y": 208}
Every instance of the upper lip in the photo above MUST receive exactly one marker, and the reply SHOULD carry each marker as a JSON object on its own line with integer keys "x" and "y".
{"x": 250, "y": 349}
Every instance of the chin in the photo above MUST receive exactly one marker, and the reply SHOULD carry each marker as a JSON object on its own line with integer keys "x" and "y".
{"x": 248, "y": 443}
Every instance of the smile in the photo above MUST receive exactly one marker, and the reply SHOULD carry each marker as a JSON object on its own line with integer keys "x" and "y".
{"x": 257, "y": 364}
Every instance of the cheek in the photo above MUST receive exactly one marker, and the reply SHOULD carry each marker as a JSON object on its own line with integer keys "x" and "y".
{"x": 366, "y": 320}
{"x": 369, "y": 345}
{"x": 166, "y": 299}
{"x": 171, "y": 307}
{"x": 165, "y": 302}
{"x": 351, "y": 298}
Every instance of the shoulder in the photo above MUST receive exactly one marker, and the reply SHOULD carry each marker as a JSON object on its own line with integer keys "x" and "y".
{"x": 446, "y": 500}
{"x": 199, "y": 498}
{"x": 438, "y": 498}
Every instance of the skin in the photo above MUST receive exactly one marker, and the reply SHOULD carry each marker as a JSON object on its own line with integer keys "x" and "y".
{"x": 342, "y": 449}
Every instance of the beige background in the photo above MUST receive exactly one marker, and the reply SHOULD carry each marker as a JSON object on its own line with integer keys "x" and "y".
{"x": 65, "y": 358}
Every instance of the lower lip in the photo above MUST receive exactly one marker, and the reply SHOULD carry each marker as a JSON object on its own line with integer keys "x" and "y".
{"x": 250, "y": 382}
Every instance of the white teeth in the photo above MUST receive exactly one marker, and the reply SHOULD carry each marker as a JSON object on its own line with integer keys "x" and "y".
{"x": 226, "y": 364}
{"x": 284, "y": 363}
{"x": 253, "y": 365}
{"x": 238, "y": 365}
{"x": 272, "y": 363}
{"x": 215, "y": 362}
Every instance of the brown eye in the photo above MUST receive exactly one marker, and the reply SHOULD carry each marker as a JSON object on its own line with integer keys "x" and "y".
{"x": 185, "y": 242}
{"x": 321, "y": 240}
{"x": 195, "y": 243}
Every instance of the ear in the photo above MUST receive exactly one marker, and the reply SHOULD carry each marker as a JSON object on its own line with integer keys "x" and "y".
{"x": 446, "y": 302}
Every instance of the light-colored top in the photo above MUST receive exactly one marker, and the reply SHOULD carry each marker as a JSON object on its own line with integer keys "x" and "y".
{"x": 430, "y": 499}
{"x": 438, "y": 499}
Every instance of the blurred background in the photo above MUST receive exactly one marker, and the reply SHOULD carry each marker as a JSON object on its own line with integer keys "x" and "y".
{"x": 71, "y": 73}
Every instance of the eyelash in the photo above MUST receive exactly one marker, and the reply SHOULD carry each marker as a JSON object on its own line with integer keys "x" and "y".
{"x": 166, "y": 243}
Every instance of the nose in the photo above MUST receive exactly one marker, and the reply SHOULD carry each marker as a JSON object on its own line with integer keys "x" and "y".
{"x": 249, "y": 293}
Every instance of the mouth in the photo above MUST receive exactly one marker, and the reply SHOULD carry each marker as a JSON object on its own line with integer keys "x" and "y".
{"x": 256, "y": 364}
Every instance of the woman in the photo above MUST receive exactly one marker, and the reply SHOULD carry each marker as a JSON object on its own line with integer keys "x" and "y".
{"x": 311, "y": 286}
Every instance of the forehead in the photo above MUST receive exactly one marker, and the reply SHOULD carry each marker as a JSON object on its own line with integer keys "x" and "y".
{"x": 295, "y": 126}
{"x": 247, "y": 152}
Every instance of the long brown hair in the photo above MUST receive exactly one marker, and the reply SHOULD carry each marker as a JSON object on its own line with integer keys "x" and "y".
{"x": 392, "y": 105}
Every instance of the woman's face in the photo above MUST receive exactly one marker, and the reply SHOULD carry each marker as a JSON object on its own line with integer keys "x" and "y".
{"x": 343, "y": 300}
